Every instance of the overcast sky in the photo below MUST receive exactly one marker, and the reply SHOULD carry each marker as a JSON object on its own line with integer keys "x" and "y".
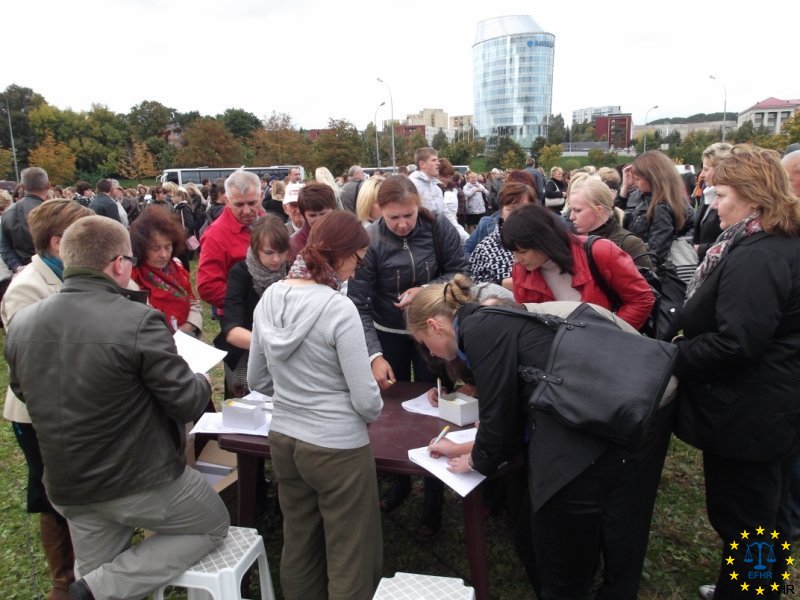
{"x": 317, "y": 59}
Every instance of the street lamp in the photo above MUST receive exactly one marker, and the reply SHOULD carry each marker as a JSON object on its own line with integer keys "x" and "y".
{"x": 724, "y": 104}
{"x": 391, "y": 111}
{"x": 645, "y": 125}
{"x": 13, "y": 147}
{"x": 377, "y": 150}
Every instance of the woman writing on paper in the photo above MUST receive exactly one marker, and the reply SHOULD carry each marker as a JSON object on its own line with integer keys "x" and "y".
{"x": 328, "y": 488}
{"x": 572, "y": 474}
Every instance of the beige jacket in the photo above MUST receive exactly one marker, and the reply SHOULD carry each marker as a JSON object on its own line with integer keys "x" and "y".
{"x": 35, "y": 282}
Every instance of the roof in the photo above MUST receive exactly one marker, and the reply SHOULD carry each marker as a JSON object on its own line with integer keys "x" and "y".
{"x": 503, "y": 26}
{"x": 774, "y": 103}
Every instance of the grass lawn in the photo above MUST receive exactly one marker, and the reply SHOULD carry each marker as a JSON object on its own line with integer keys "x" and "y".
{"x": 682, "y": 554}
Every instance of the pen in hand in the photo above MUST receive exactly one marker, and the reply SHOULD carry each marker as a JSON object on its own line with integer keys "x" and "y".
{"x": 441, "y": 435}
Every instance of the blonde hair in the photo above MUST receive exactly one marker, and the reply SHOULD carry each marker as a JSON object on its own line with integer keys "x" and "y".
{"x": 169, "y": 187}
{"x": 595, "y": 192}
{"x": 717, "y": 152}
{"x": 438, "y": 300}
{"x": 278, "y": 190}
{"x": 367, "y": 197}
{"x": 758, "y": 177}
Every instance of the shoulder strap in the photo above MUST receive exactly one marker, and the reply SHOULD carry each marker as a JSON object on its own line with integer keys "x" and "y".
{"x": 437, "y": 245}
{"x": 612, "y": 296}
{"x": 550, "y": 321}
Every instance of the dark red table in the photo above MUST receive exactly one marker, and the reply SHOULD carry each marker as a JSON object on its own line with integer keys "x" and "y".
{"x": 391, "y": 437}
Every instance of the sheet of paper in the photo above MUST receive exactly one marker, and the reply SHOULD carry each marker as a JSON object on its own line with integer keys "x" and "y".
{"x": 461, "y": 483}
{"x": 258, "y": 399}
{"x": 212, "y": 423}
{"x": 200, "y": 356}
{"x": 421, "y": 405}
{"x": 463, "y": 436}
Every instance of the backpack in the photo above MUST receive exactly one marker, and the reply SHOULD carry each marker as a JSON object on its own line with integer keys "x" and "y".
{"x": 668, "y": 288}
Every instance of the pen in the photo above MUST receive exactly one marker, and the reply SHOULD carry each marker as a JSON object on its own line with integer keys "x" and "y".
{"x": 390, "y": 381}
{"x": 441, "y": 435}
{"x": 438, "y": 388}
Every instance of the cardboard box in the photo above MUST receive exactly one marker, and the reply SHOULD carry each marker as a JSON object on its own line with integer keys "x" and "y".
{"x": 458, "y": 408}
{"x": 218, "y": 466}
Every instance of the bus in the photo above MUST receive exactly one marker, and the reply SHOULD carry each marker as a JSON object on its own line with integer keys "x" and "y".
{"x": 198, "y": 174}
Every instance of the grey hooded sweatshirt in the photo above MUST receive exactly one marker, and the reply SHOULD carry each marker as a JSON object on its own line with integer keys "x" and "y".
{"x": 308, "y": 352}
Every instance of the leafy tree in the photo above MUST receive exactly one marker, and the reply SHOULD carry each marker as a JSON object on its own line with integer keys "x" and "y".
{"x": 599, "y": 158}
{"x": 186, "y": 119}
{"x": 6, "y": 163}
{"x": 239, "y": 122}
{"x": 536, "y": 147}
{"x": 368, "y": 156}
{"x": 207, "y": 142}
{"x": 20, "y": 100}
{"x": 440, "y": 141}
{"x": 745, "y": 133}
{"x": 279, "y": 143}
{"x": 138, "y": 162}
{"x": 406, "y": 149}
{"x": 500, "y": 156}
{"x": 556, "y": 132}
{"x": 549, "y": 156}
{"x": 459, "y": 153}
{"x": 338, "y": 147}
{"x": 791, "y": 129}
{"x": 150, "y": 118}
{"x": 56, "y": 158}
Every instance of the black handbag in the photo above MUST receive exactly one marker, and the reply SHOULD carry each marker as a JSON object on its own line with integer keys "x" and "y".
{"x": 598, "y": 378}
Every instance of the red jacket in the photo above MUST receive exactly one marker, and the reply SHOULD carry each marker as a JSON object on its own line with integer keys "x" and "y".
{"x": 613, "y": 263}
{"x": 223, "y": 244}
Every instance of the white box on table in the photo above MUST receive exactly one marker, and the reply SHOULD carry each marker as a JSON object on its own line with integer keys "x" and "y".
{"x": 458, "y": 408}
{"x": 242, "y": 416}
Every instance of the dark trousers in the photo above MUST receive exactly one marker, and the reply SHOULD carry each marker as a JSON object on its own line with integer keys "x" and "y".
{"x": 742, "y": 495}
{"x": 629, "y": 510}
{"x": 402, "y": 353}
{"x": 37, "y": 501}
{"x": 568, "y": 530}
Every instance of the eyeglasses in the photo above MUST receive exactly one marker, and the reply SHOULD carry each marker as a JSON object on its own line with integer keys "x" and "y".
{"x": 359, "y": 260}
{"x": 134, "y": 259}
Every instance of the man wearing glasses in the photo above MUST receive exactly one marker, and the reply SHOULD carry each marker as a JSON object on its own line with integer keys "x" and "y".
{"x": 108, "y": 396}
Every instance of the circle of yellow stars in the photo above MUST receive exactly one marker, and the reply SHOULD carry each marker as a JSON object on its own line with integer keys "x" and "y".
{"x": 759, "y": 590}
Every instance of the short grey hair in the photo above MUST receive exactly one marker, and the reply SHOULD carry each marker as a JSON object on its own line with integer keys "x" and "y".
{"x": 35, "y": 179}
{"x": 242, "y": 180}
{"x": 791, "y": 160}
{"x": 353, "y": 170}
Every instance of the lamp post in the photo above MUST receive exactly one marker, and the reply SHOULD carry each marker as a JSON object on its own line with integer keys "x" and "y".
{"x": 391, "y": 111}
{"x": 13, "y": 147}
{"x": 724, "y": 104}
{"x": 377, "y": 149}
{"x": 645, "y": 125}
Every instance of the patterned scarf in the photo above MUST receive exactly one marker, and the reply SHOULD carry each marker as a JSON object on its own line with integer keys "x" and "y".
{"x": 299, "y": 270}
{"x": 726, "y": 242}
{"x": 170, "y": 290}
{"x": 262, "y": 276}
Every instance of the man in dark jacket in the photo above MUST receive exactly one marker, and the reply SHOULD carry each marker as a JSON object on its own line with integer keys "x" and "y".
{"x": 103, "y": 204}
{"x": 530, "y": 167}
{"x": 16, "y": 244}
{"x": 109, "y": 395}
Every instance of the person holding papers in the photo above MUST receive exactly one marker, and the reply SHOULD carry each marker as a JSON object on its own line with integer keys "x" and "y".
{"x": 571, "y": 473}
{"x": 308, "y": 352}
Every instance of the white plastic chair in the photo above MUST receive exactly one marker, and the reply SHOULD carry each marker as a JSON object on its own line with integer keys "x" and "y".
{"x": 220, "y": 572}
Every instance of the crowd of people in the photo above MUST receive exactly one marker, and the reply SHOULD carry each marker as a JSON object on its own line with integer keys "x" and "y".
{"x": 380, "y": 279}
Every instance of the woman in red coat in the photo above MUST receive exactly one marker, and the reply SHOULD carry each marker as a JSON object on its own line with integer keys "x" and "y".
{"x": 551, "y": 264}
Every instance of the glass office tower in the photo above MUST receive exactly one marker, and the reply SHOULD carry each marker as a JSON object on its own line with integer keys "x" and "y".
{"x": 512, "y": 62}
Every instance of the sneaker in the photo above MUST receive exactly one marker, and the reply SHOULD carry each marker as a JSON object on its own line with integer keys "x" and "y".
{"x": 706, "y": 592}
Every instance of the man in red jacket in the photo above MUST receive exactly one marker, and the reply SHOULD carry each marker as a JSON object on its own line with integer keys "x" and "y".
{"x": 226, "y": 240}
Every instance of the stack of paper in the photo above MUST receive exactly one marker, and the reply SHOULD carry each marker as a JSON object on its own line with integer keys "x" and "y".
{"x": 461, "y": 483}
{"x": 211, "y": 422}
{"x": 421, "y": 405}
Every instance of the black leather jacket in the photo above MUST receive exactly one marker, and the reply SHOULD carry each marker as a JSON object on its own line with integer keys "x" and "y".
{"x": 661, "y": 232}
{"x": 105, "y": 389}
{"x": 394, "y": 264}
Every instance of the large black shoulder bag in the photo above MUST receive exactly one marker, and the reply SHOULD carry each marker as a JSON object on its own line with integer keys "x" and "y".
{"x": 598, "y": 378}
{"x": 669, "y": 289}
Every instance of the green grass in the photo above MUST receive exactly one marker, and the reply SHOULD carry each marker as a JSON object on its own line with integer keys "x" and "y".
{"x": 682, "y": 554}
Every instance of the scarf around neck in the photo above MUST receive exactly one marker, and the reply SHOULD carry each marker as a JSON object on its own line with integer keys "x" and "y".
{"x": 299, "y": 270}
{"x": 262, "y": 276}
{"x": 726, "y": 242}
{"x": 170, "y": 290}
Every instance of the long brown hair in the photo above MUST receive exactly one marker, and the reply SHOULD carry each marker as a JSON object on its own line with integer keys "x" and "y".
{"x": 666, "y": 185}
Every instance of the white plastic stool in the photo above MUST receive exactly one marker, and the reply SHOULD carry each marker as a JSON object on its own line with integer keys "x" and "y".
{"x": 408, "y": 586}
{"x": 220, "y": 572}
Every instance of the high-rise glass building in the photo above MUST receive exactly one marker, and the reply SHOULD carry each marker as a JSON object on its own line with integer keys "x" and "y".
{"x": 512, "y": 61}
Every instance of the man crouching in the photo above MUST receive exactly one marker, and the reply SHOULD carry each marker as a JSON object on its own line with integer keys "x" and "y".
{"x": 108, "y": 396}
